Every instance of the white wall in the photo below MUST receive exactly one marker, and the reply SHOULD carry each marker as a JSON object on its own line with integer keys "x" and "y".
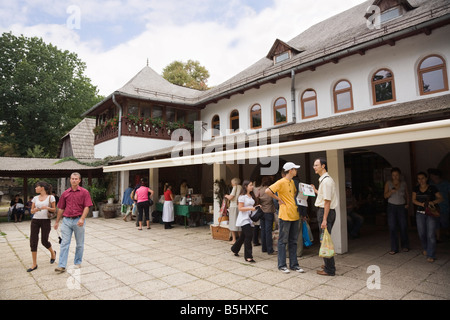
{"x": 402, "y": 59}
{"x": 130, "y": 146}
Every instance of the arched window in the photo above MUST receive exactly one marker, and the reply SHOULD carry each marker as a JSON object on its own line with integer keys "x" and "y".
{"x": 309, "y": 104}
{"x": 255, "y": 116}
{"x": 215, "y": 125}
{"x": 280, "y": 111}
{"x": 383, "y": 88}
{"x": 234, "y": 121}
{"x": 432, "y": 74}
{"x": 342, "y": 93}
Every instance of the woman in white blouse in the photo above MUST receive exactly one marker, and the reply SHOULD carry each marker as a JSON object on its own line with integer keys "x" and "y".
{"x": 246, "y": 206}
{"x": 41, "y": 205}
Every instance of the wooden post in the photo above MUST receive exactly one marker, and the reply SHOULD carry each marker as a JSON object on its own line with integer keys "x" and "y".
{"x": 25, "y": 190}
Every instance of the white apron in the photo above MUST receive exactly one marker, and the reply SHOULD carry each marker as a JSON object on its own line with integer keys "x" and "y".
{"x": 168, "y": 214}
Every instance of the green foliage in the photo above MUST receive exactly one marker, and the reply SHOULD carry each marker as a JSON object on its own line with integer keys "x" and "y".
{"x": 104, "y": 162}
{"x": 37, "y": 152}
{"x": 43, "y": 92}
{"x": 190, "y": 74}
{"x": 98, "y": 194}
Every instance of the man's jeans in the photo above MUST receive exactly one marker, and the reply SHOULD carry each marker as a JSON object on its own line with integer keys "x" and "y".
{"x": 68, "y": 227}
{"x": 266, "y": 232}
{"x": 330, "y": 267}
{"x": 288, "y": 235}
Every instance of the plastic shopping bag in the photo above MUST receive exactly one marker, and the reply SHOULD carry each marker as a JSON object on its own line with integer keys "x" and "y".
{"x": 306, "y": 239}
{"x": 327, "y": 247}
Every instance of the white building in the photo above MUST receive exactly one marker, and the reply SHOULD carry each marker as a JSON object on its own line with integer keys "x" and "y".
{"x": 368, "y": 89}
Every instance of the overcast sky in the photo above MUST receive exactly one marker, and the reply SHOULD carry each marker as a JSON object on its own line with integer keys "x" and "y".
{"x": 116, "y": 37}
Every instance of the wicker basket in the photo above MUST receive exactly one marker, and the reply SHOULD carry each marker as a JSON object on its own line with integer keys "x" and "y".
{"x": 220, "y": 233}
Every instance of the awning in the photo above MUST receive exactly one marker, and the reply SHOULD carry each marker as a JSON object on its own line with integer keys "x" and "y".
{"x": 407, "y": 133}
{"x": 45, "y": 168}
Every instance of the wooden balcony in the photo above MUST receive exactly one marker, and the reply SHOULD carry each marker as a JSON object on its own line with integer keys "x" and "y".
{"x": 133, "y": 129}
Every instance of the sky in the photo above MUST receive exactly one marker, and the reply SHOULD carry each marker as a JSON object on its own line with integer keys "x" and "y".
{"x": 116, "y": 38}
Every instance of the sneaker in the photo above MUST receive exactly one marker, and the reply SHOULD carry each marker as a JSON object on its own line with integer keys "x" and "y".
{"x": 60, "y": 270}
{"x": 298, "y": 269}
{"x": 284, "y": 270}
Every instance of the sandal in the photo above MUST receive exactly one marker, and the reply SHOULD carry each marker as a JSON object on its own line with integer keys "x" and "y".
{"x": 251, "y": 260}
{"x": 53, "y": 260}
{"x": 32, "y": 269}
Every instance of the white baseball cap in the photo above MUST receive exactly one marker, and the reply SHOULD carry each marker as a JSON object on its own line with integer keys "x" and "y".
{"x": 290, "y": 165}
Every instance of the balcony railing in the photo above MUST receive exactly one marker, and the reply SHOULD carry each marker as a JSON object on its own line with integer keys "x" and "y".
{"x": 135, "y": 129}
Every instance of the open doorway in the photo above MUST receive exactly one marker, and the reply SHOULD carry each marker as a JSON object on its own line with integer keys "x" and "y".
{"x": 366, "y": 175}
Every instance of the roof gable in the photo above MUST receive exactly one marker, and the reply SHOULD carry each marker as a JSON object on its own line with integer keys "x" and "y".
{"x": 280, "y": 47}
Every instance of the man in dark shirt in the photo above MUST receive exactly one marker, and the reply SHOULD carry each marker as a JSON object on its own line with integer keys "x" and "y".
{"x": 73, "y": 208}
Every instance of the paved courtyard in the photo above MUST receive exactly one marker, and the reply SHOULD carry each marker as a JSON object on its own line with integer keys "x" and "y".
{"x": 121, "y": 262}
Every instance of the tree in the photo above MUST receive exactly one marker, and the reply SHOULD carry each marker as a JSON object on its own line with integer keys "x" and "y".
{"x": 190, "y": 74}
{"x": 43, "y": 92}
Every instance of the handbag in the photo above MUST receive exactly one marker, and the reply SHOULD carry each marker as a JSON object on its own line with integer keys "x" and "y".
{"x": 305, "y": 233}
{"x": 50, "y": 215}
{"x": 223, "y": 208}
{"x": 432, "y": 210}
{"x": 150, "y": 201}
{"x": 258, "y": 215}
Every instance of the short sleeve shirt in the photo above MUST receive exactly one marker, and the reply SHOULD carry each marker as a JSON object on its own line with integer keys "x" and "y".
{"x": 42, "y": 214}
{"x": 426, "y": 196}
{"x": 327, "y": 191}
{"x": 167, "y": 194}
{"x": 74, "y": 202}
{"x": 286, "y": 191}
{"x": 244, "y": 216}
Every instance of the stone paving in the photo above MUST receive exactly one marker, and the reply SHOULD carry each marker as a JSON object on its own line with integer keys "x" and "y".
{"x": 121, "y": 262}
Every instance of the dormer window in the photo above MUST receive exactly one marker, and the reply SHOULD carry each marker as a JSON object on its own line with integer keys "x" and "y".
{"x": 391, "y": 14}
{"x": 281, "y": 51}
{"x": 281, "y": 57}
{"x": 388, "y": 10}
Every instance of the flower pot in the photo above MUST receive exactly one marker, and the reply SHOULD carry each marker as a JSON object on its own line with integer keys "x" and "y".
{"x": 109, "y": 211}
{"x": 95, "y": 214}
{"x": 110, "y": 200}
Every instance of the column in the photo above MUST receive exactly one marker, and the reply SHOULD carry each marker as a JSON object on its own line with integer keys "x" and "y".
{"x": 219, "y": 172}
{"x": 153, "y": 183}
{"x": 124, "y": 180}
{"x": 336, "y": 169}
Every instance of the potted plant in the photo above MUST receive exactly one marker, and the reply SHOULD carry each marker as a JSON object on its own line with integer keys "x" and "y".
{"x": 97, "y": 195}
{"x": 111, "y": 198}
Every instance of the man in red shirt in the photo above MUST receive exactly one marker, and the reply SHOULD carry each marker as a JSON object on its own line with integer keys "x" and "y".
{"x": 73, "y": 208}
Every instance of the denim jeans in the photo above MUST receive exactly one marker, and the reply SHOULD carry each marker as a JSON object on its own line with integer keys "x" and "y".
{"x": 288, "y": 236}
{"x": 397, "y": 221}
{"x": 68, "y": 227}
{"x": 266, "y": 233}
{"x": 426, "y": 227}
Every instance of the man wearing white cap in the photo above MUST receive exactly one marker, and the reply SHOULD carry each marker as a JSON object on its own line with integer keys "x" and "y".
{"x": 288, "y": 217}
